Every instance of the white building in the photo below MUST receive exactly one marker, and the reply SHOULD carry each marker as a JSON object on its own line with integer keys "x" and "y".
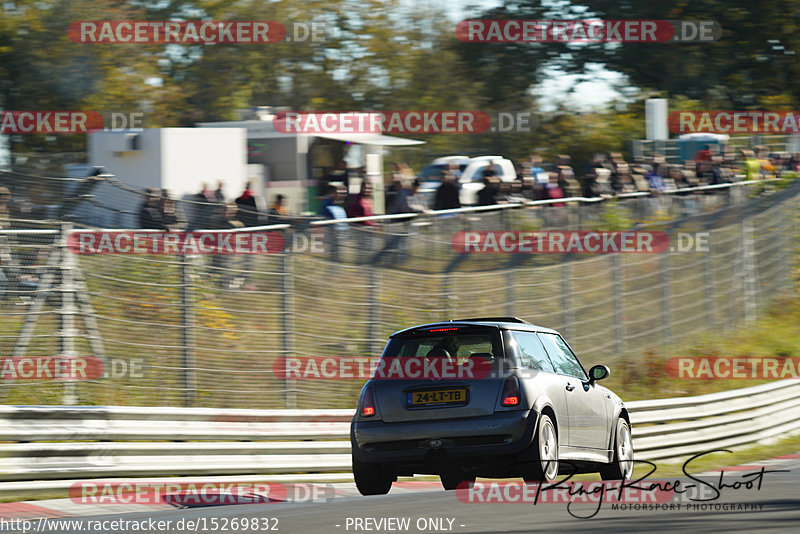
{"x": 177, "y": 159}
{"x": 292, "y": 164}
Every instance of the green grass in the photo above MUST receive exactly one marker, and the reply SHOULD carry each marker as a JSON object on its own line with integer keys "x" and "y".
{"x": 776, "y": 334}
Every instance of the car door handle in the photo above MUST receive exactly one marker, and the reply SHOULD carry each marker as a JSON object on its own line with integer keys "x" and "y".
{"x": 570, "y": 387}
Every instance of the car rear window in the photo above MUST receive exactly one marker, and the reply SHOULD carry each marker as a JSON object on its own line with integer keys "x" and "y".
{"x": 460, "y": 343}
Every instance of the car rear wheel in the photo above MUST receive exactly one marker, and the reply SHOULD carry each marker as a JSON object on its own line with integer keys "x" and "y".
{"x": 451, "y": 482}
{"x": 544, "y": 465}
{"x": 371, "y": 479}
{"x": 621, "y": 468}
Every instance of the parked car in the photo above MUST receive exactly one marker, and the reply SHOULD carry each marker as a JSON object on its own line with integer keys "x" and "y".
{"x": 472, "y": 177}
{"x": 471, "y": 172}
{"x": 528, "y": 409}
{"x": 431, "y": 175}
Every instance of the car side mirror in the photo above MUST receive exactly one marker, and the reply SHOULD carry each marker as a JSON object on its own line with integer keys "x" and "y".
{"x": 598, "y": 372}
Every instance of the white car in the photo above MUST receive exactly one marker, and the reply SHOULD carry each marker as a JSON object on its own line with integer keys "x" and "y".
{"x": 431, "y": 175}
{"x": 472, "y": 177}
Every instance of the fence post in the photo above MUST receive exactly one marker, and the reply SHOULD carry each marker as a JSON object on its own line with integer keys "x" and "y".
{"x": 666, "y": 298}
{"x": 619, "y": 332}
{"x": 188, "y": 330}
{"x": 373, "y": 310}
{"x": 708, "y": 281}
{"x": 447, "y": 293}
{"x": 566, "y": 297}
{"x": 749, "y": 280}
{"x": 788, "y": 244}
{"x": 66, "y": 314}
{"x": 510, "y": 294}
{"x": 287, "y": 290}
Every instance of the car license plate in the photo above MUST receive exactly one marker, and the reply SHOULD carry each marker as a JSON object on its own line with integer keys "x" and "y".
{"x": 437, "y": 397}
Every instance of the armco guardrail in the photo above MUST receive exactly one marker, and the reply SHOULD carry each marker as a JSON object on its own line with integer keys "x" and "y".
{"x": 58, "y": 443}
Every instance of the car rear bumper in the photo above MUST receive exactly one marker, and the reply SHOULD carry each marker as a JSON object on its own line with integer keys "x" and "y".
{"x": 502, "y": 433}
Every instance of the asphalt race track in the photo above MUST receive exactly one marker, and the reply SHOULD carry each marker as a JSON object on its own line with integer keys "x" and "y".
{"x": 775, "y": 507}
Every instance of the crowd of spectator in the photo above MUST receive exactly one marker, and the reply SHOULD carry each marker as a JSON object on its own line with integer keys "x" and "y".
{"x": 208, "y": 209}
{"x": 605, "y": 175}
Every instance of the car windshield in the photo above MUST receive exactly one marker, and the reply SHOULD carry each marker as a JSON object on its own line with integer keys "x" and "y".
{"x": 433, "y": 172}
{"x": 459, "y": 343}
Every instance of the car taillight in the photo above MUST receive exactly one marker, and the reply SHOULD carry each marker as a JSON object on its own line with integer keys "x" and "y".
{"x": 510, "y": 396}
{"x": 367, "y": 404}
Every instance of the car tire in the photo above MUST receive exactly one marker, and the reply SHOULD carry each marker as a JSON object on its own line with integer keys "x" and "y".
{"x": 621, "y": 468}
{"x": 543, "y": 466}
{"x": 451, "y": 482}
{"x": 371, "y": 479}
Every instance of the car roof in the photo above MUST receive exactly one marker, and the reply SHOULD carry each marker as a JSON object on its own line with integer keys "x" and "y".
{"x": 504, "y": 323}
{"x": 486, "y": 158}
{"x": 447, "y": 159}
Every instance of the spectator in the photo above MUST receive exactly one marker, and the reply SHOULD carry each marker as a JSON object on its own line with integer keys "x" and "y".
{"x": 454, "y": 170}
{"x": 752, "y": 166}
{"x": 207, "y": 211}
{"x": 5, "y": 198}
{"x": 407, "y": 200}
{"x": 718, "y": 174}
{"x": 401, "y": 173}
{"x": 149, "y": 214}
{"x": 601, "y": 185}
{"x": 219, "y": 196}
{"x": 390, "y": 196}
{"x": 528, "y": 187}
{"x": 224, "y": 264}
{"x": 5, "y": 250}
{"x": 552, "y": 190}
{"x": 767, "y": 168}
{"x": 655, "y": 180}
{"x": 624, "y": 180}
{"x": 361, "y": 204}
{"x": 638, "y": 174}
{"x": 330, "y": 209}
{"x": 598, "y": 161}
{"x": 669, "y": 178}
{"x": 278, "y": 211}
{"x": 246, "y": 207}
{"x": 488, "y": 195}
{"x": 503, "y": 191}
{"x": 171, "y": 217}
{"x": 567, "y": 182}
{"x": 398, "y": 231}
{"x": 516, "y": 195}
{"x": 794, "y": 162}
{"x": 337, "y": 175}
{"x": 446, "y": 197}
{"x": 536, "y": 170}
{"x": 703, "y": 155}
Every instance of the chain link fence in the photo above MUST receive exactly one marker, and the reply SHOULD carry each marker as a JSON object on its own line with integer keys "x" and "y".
{"x": 204, "y": 330}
